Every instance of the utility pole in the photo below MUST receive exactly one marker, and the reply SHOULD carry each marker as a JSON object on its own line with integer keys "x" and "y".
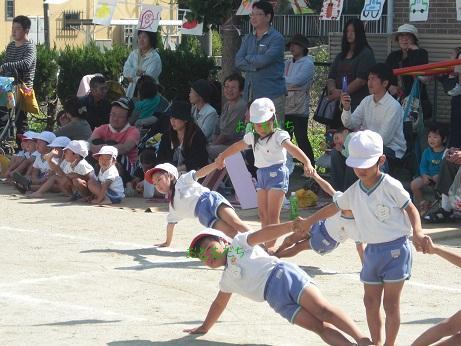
{"x": 46, "y": 24}
{"x": 390, "y": 16}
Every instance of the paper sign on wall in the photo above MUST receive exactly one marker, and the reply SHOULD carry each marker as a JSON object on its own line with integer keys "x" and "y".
{"x": 149, "y": 18}
{"x": 301, "y": 6}
{"x": 419, "y": 10}
{"x": 372, "y": 10}
{"x": 104, "y": 11}
{"x": 245, "y": 7}
{"x": 331, "y": 9}
{"x": 458, "y": 9}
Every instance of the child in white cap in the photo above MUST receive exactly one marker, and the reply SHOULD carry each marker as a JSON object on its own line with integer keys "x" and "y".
{"x": 22, "y": 160}
{"x": 108, "y": 187}
{"x": 270, "y": 145}
{"x": 252, "y": 273}
{"x": 189, "y": 199}
{"x": 38, "y": 172}
{"x": 385, "y": 217}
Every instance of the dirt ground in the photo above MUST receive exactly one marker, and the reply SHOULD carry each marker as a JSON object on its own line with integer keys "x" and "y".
{"x": 85, "y": 275}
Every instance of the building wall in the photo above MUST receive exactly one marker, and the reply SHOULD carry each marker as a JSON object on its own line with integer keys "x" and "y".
{"x": 78, "y": 36}
{"x": 442, "y": 17}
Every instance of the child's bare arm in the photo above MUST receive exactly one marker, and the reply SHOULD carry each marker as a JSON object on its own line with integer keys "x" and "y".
{"x": 233, "y": 149}
{"x": 216, "y": 309}
{"x": 102, "y": 192}
{"x": 204, "y": 171}
{"x": 269, "y": 233}
{"x": 169, "y": 235}
{"x": 324, "y": 185}
{"x": 415, "y": 220}
{"x": 299, "y": 155}
{"x": 322, "y": 214}
{"x": 443, "y": 252}
{"x": 448, "y": 327}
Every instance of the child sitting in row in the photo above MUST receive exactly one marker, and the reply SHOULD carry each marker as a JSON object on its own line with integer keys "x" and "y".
{"x": 252, "y": 273}
{"x": 108, "y": 187}
{"x": 21, "y": 161}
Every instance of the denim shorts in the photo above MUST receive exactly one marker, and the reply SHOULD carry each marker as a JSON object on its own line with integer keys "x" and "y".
{"x": 320, "y": 241}
{"x": 387, "y": 262}
{"x": 275, "y": 177}
{"x": 284, "y": 288}
{"x": 207, "y": 207}
{"x": 114, "y": 197}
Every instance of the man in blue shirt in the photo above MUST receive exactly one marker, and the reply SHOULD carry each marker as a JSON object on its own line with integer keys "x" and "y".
{"x": 261, "y": 58}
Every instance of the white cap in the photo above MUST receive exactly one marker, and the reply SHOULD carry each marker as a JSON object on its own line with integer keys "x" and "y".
{"x": 29, "y": 135}
{"x": 261, "y": 110}
{"x": 46, "y": 136}
{"x": 59, "y": 142}
{"x": 165, "y": 167}
{"x": 107, "y": 150}
{"x": 407, "y": 29}
{"x": 365, "y": 148}
{"x": 78, "y": 147}
{"x": 207, "y": 232}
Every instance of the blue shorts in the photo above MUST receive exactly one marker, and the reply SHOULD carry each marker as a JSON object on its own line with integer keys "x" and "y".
{"x": 207, "y": 207}
{"x": 320, "y": 241}
{"x": 114, "y": 197}
{"x": 284, "y": 288}
{"x": 387, "y": 262}
{"x": 275, "y": 177}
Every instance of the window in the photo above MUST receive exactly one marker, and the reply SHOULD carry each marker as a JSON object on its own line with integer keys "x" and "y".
{"x": 71, "y": 19}
{"x": 9, "y": 9}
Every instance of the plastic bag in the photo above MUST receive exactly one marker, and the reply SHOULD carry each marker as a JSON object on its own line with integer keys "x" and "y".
{"x": 454, "y": 194}
{"x": 6, "y": 87}
{"x": 306, "y": 198}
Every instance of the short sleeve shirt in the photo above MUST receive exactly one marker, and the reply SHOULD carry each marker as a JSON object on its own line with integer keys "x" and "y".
{"x": 41, "y": 164}
{"x": 111, "y": 174}
{"x": 268, "y": 151}
{"x": 83, "y": 168}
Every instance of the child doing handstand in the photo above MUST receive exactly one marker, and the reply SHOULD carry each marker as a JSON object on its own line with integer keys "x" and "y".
{"x": 252, "y": 273}
{"x": 189, "y": 199}
{"x": 270, "y": 146}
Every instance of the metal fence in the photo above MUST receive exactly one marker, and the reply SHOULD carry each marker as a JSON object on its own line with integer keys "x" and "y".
{"x": 311, "y": 25}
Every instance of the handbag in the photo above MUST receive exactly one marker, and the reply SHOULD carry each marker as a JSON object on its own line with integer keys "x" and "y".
{"x": 412, "y": 107}
{"x": 28, "y": 102}
{"x": 326, "y": 110}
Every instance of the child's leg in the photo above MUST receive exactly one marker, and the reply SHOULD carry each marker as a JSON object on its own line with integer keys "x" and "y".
{"x": 262, "y": 207}
{"x": 391, "y": 303}
{"x": 274, "y": 205}
{"x": 64, "y": 185}
{"x": 94, "y": 186}
{"x": 360, "y": 250}
{"x": 293, "y": 250}
{"x": 81, "y": 185}
{"x": 46, "y": 186}
{"x": 450, "y": 326}
{"x": 229, "y": 222}
{"x": 416, "y": 186}
{"x": 314, "y": 302}
{"x": 372, "y": 301}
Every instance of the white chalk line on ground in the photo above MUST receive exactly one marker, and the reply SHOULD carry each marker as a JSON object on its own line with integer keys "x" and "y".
{"x": 137, "y": 246}
{"x": 24, "y": 299}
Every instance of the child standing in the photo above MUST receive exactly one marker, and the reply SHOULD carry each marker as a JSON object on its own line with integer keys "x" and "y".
{"x": 429, "y": 167}
{"x": 385, "y": 216}
{"x": 270, "y": 146}
{"x": 189, "y": 199}
{"x": 451, "y": 326}
{"x": 252, "y": 273}
{"x": 108, "y": 187}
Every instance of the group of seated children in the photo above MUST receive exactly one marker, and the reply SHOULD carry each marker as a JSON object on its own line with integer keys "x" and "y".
{"x": 48, "y": 163}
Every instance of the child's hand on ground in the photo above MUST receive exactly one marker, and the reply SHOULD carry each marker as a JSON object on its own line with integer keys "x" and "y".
{"x": 165, "y": 244}
{"x": 198, "y": 330}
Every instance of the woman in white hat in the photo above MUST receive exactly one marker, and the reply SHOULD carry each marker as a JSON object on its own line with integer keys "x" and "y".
{"x": 408, "y": 55}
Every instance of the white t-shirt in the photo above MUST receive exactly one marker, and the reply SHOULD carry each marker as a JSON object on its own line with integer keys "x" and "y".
{"x": 22, "y": 153}
{"x": 66, "y": 167}
{"x": 268, "y": 152}
{"x": 247, "y": 269}
{"x": 341, "y": 228}
{"x": 84, "y": 168}
{"x": 41, "y": 164}
{"x": 111, "y": 174}
{"x": 379, "y": 211}
{"x": 187, "y": 193}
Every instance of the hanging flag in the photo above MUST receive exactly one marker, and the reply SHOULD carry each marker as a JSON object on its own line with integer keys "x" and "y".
{"x": 245, "y": 7}
{"x": 301, "y": 6}
{"x": 192, "y": 27}
{"x": 458, "y": 9}
{"x": 372, "y": 10}
{"x": 149, "y": 18}
{"x": 331, "y": 9}
{"x": 419, "y": 10}
{"x": 104, "y": 11}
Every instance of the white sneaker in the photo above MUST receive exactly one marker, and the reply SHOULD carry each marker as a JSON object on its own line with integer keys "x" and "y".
{"x": 455, "y": 91}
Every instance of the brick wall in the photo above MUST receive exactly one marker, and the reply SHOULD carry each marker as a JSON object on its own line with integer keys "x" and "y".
{"x": 442, "y": 17}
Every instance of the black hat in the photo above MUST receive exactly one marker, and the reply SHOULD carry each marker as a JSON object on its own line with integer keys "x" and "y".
{"x": 203, "y": 88}
{"x": 300, "y": 40}
{"x": 181, "y": 110}
{"x": 124, "y": 102}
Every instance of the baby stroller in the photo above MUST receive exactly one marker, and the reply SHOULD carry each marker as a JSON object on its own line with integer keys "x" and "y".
{"x": 8, "y": 110}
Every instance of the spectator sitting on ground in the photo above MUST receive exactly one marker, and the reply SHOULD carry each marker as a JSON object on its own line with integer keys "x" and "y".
{"x": 146, "y": 106}
{"x": 230, "y": 127}
{"x": 203, "y": 113}
{"x": 184, "y": 145}
{"x": 96, "y": 103}
{"x": 77, "y": 128}
{"x": 120, "y": 134}
{"x": 378, "y": 112}
{"x": 147, "y": 160}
